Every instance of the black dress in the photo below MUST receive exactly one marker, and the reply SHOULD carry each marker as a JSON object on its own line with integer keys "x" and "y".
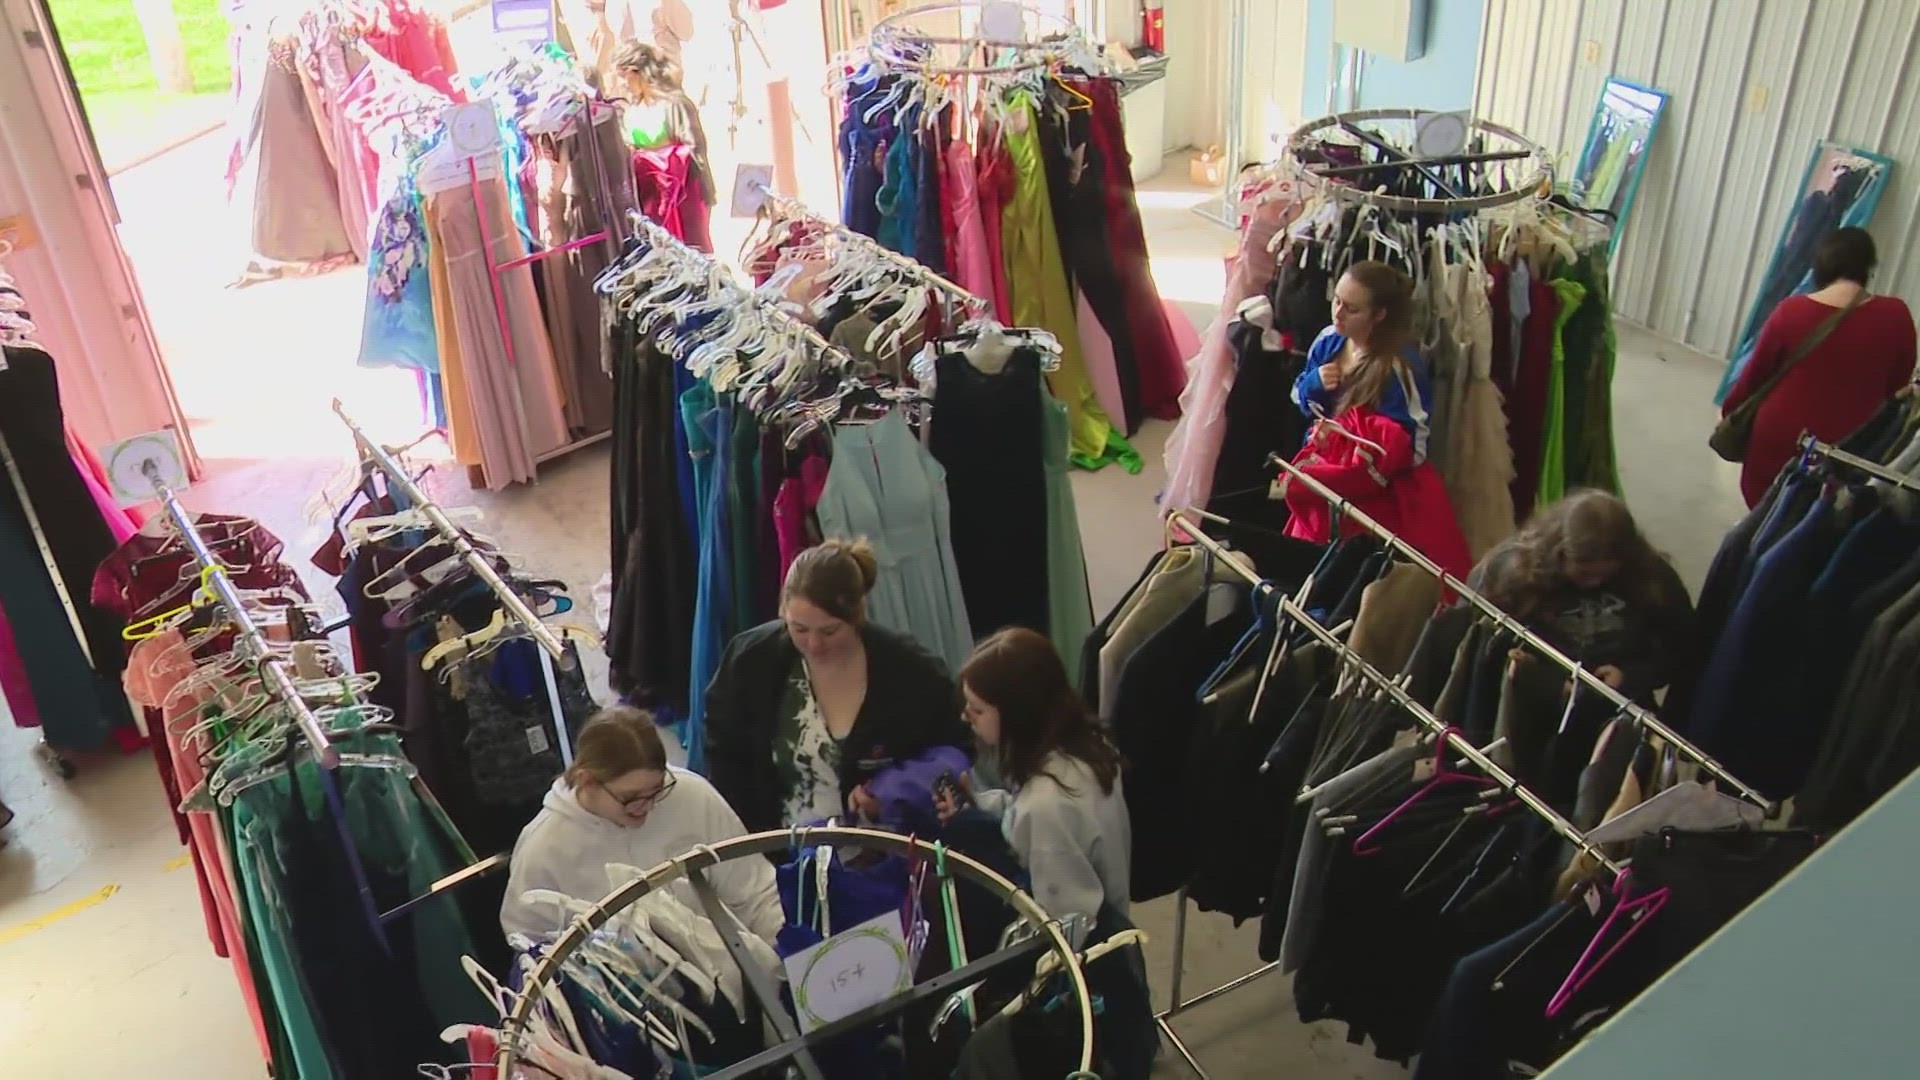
{"x": 80, "y": 702}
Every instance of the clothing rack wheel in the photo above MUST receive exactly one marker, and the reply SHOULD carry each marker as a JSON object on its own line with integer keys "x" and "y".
{"x": 1537, "y": 184}
{"x": 693, "y": 866}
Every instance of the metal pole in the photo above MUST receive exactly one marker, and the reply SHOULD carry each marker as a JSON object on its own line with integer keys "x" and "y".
{"x": 452, "y": 533}
{"x": 1640, "y": 716}
{"x": 1392, "y": 688}
{"x": 1227, "y": 211}
{"x": 271, "y": 667}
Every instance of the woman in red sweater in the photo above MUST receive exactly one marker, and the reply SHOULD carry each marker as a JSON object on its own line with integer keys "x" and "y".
{"x": 1838, "y": 386}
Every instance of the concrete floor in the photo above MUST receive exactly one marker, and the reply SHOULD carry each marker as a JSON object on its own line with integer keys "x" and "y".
{"x": 108, "y": 971}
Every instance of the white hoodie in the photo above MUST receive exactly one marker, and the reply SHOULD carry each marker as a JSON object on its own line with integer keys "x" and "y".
{"x": 568, "y": 849}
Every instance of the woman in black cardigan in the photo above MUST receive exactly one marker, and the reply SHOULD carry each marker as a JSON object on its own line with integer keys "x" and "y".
{"x": 805, "y": 709}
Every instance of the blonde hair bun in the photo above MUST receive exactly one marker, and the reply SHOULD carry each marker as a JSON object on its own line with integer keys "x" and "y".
{"x": 835, "y": 576}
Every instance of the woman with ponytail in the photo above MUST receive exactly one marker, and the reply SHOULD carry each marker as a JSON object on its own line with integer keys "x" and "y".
{"x": 804, "y": 710}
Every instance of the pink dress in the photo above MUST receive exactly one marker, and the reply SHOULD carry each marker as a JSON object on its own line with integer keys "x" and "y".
{"x": 1193, "y": 447}
{"x": 972, "y": 262}
{"x": 793, "y": 508}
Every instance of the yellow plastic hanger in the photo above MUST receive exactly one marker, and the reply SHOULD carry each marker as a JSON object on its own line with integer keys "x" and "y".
{"x": 155, "y": 625}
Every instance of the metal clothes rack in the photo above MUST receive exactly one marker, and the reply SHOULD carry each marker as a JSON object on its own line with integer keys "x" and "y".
{"x": 552, "y": 649}
{"x": 273, "y": 671}
{"x": 398, "y": 477}
{"x": 1536, "y": 185}
{"x": 893, "y": 45}
{"x": 1289, "y": 609}
{"x": 1641, "y": 717}
{"x": 794, "y": 1046}
{"x": 790, "y": 208}
{"x": 1811, "y": 447}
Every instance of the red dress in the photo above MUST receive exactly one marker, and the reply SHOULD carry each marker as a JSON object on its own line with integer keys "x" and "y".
{"x": 1832, "y": 390}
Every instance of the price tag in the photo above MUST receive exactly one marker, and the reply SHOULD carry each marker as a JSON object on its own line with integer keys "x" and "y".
{"x": 751, "y": 184}
{"x": 850, "y": 971}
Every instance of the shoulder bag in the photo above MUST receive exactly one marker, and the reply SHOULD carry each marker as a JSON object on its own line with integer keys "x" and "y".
{"x": 1735, "y": 430}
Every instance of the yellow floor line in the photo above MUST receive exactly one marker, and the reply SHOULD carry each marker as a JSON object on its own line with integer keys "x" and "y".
{"x": 49, "y": 919}
{"x": 179, "y": 861}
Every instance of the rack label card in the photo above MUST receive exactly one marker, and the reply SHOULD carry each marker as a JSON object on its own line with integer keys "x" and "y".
{"x": 133, "y": 464}
{"x": 850, "y": 971}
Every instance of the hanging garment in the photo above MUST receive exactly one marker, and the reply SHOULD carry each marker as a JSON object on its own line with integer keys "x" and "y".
{"x": 794, "y": 507}
{"x": 398, "y": 327}
{"x": 899, "y": 195}
{"x": 709, "y": 421}
{"x": 973, "y": 260}
{"x": 584, "y": 189}
{"x": 281, "y": 184}
{"x": 652, "y": 546}
{"x": 1069, "y": 599}
{"x": 1259, "y": 416}
{"x": 934, "y": 242}
{"x": 1527, "y": 406}
{"x": 1588, "y": 341}
{"x": 667, "y": 189}
{"x": 989, "y": 438}
{"x": 994, "y": 180}
{"x": 1126, "y": 297}
{"x": 1043, "y": 298}
{"x": 1553, "y": 431}
{"x": 75, "y": 683}
{"x": 1193, "y": 447}
{"x": 506, "y": 360}
{"x": 1480, "y": 478}
{"x": 883, "y": 485}
{"x": 863, "y": 149}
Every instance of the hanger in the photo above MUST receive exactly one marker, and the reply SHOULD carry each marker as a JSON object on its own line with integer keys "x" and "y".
{"x": 1637, "y": 911}
{"x": 498, "y": 630}
{"x": 1444, "y": 775}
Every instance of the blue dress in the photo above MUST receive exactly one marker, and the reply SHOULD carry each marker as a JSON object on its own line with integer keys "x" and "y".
{"x": 884, "y": 486}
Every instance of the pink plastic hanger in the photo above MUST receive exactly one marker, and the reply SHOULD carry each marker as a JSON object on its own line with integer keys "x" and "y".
{"x": 1444, "y": 775}
{"x": 1637, "y": 910}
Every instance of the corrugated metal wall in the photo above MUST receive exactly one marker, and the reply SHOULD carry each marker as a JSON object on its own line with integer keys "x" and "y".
{"x": 1754, "y": 84}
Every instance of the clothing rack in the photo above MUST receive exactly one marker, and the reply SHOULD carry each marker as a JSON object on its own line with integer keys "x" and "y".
{"x": 1811, "y": 447}
{"x": 1450, "y": 737}
{"x": 1641, "y": 717}
{"x": 510, "y": 601}
{"x": 658, "y": 236}
{"x": 791, "y": 208}
{"x": 1028, "y": 54}
{"x": 1536, "y": 185}
{"x": 793, "y": 1046}
{"x": 273, "y": 672}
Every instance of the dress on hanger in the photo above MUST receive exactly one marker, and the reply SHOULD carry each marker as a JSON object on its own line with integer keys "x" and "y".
{"x": 885, "y": 486}
{"x": 1042, "y": 296}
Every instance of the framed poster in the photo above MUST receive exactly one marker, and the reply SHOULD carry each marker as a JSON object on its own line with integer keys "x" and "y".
{"x": 1841, "y": 187}
{"x": 1619, "y": 139}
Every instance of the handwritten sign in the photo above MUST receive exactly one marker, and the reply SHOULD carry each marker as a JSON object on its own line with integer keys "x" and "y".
{"x": 850, "y": 971}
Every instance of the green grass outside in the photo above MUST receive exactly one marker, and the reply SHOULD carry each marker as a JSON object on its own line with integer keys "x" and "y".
{"x": 109, "y": 53}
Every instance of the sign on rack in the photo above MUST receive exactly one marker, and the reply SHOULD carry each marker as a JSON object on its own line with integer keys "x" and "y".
{"x": 850, "y": 971}
{"x": 132, "y": 463}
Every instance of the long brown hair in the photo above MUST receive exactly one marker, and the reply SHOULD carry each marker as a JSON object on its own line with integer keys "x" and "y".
{"x": 652, "y": 65}
{"x": 1391, "y": 293}
{"x": 1585, "y": 526}
{"x": 1018, "y": 672}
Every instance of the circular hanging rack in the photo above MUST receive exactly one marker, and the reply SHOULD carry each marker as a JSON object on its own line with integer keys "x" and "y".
{"x": 905, "y": 41}
{"x": 1496, "y": 138}
{"x": 695, "y": 863}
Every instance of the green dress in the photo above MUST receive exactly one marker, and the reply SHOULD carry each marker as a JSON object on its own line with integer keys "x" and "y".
{"x": 1069, "y": 604}
{"x": 1042, "y": 296}
{"x": 1553, "y": 450}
